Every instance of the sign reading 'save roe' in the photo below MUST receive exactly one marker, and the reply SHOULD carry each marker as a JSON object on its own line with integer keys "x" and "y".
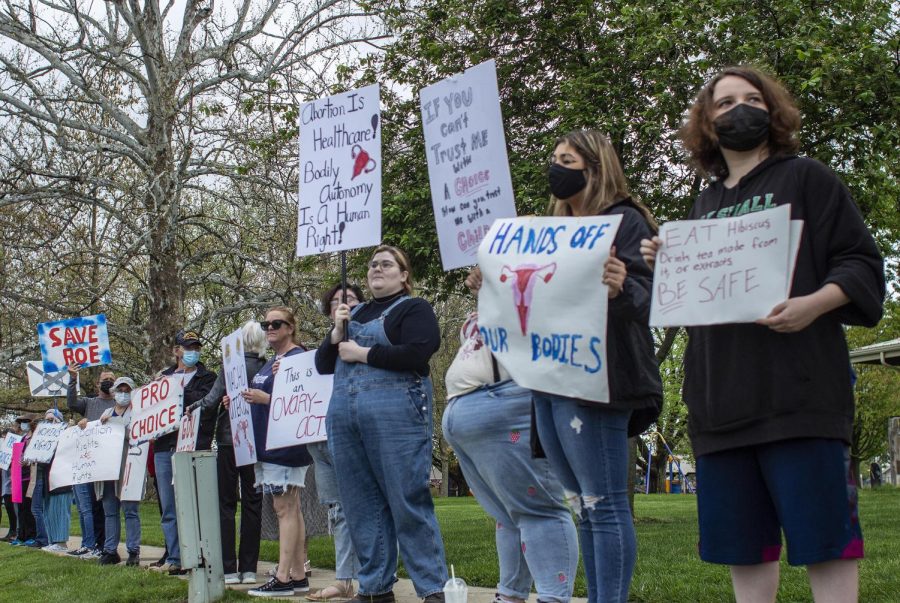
{"x": 467, "y": 163}
{"x": 156, "y": 409}
{"x": 81, "y": 341}
{"x": 729, "y": 270}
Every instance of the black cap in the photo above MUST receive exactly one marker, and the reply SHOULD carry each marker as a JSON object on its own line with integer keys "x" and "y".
{"x": 187, "y": 337}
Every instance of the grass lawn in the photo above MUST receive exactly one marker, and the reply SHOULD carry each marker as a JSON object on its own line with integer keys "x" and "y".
{"x": 668, "y": 568}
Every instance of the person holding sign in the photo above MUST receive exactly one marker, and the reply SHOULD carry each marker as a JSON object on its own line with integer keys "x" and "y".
{"x": 587, "y": 442}
{"x": 379, "y": 430}
{"x": 57, "y": 512}
{"x": 240, "y": 569}
{"x": 280, "y": 472}
{"x": 120, "y": 413}
{"x": 770, "y": 405}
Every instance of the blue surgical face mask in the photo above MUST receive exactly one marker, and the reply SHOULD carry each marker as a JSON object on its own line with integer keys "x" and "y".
{"x": 123, "y": 398}
{"x": 190, "y": 357}
{"x": 26, "y": 427}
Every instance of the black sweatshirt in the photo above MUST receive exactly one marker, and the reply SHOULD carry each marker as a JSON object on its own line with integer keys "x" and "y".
{"x": 411, "y": 327}
{"x": 746, "y": 384}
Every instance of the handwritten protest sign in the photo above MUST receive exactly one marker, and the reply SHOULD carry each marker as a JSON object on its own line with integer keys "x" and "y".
{"x": 79, "y": 341}
{"x": 134, "y": 472}
{"x": 188, "y": 432}
{"x": 43, "y": 443}
{"x": 727, "y": 270}
{"x": 156, "y": 409}
{"x": 92, "y": 454}
{"x": 340, "y": 173}
{"x": 239, "y": 409}
{"x": 300, "y": 397}
{"x": 6, "y": 449}
{"x": 467, "y": 162}
{"x": 47, "y": 385}
{"x": 542, "y": 305}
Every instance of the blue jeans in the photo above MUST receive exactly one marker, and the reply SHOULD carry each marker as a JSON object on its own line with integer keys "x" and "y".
{"x": 490, "y": 431}
{"x": 84, "y": 498}
{"x": 111, "y": 506}
{"x": 162, "y": 461}
{"x": 37, "y": 509}
{"x": 345, "y": 562}
{"x": 587, "y": 446}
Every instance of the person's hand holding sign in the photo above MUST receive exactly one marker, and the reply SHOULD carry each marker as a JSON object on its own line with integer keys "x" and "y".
{"x": 351, "y": 351}
{"x": 256, "y": 396}
{"x": 649, "y": 249}
{"x": 341, "y": 317}
{"x": 614, "y": 273}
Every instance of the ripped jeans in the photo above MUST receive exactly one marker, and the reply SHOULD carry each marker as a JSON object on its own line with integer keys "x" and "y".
{"x": 587, "y": 446}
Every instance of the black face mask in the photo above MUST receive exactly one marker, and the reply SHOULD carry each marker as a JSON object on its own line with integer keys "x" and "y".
{"x": 565, "y": 182}
{"x": 743, "y": 128}
{"x": 106, "y": 385}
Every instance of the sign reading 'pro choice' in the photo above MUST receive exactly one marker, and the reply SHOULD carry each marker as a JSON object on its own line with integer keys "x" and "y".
{"x": 156, "y": 409}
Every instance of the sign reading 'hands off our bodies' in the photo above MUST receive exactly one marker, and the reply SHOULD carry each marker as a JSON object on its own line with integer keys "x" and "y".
{"x": 542, "y": 305}
{"x": 729, "y": 270}
{"x": 81, "y": 341}
{"x": 467, "y": 163}
{"x": 340, "y": 173}
{"x": 300, "y": 398}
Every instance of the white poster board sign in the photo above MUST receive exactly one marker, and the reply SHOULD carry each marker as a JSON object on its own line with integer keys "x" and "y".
{"x": 542, "y": 305}
{"x": 300, "y": 397}
{"x": 43, "y": 442}
{"x": 6, "y": 450}
{"x": 188, "y": 432}
{"x": 92, "y": 454}
{"x": 467, "y": 162}
{"x": 82, "y": 341}
{"x": 134, "y": 472}
{"x": 340, "y": 172}
{"x": 156, "y": 409}
{"x": 47, "y": 385}
{"x": 728, "y": 270}
{"x": 242, "y": 436}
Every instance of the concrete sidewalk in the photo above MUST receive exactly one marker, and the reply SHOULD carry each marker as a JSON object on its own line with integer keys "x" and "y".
{"x": 321, "y": 577}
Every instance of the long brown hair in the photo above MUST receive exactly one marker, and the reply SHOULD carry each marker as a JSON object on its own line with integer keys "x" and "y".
{"x": 402, "y": 261}
{"x": 606, "y": 184}
{"x": 699, "y": 134}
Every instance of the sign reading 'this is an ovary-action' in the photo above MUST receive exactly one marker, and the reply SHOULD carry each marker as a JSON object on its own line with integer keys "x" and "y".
{"x": 542, "y": 305}
{"x": 340, "y": 173}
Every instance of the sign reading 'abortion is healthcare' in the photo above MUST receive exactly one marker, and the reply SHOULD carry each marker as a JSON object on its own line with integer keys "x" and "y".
{"x": 542, "y": 305}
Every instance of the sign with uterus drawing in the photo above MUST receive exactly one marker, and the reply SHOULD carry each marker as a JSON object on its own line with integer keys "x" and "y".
{"x": 542, "y": 306}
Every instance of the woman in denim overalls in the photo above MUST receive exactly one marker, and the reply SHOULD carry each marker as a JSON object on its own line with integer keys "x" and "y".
{"x": 380, "y": 428}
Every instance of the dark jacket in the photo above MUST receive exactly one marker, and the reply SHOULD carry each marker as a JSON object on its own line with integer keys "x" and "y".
{"x": 213, "y": 412}
{"x": 745, "y": 384}
{"x": 634, "y": 381}
{"x": 196, "y": 389}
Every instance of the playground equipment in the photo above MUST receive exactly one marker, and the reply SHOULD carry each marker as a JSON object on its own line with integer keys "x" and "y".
{"x": 677, "y": 481}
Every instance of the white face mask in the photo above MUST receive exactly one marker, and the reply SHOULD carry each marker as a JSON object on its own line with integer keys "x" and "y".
{"x": 26, "y": 427}
{"x": 123, "y": 398}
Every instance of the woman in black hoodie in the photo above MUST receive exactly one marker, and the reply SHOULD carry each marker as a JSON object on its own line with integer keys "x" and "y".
{"x": 770, "y": 403}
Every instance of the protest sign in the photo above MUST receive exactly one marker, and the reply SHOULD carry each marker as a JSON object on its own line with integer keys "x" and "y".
{"x": 188, "y": 432}
{"x": 728, "y": 270}
{"x": 15, "y": 470}
{"x": 43, "y": 442}
{"x": 47, "y": 385}
{"x": 542, "y": 304}
{"x": 235, "y": 368}
{"x": 6, "y": 449}
{"x": 81, "y": 341}
{"x": 156, "y": 409}
{"x": 467, "y": 163}
{"x": 92, "y": 454}
{"x": 340, "y": 173}
{"x": 134, "y": 472}
{"x": 300, "y": 397}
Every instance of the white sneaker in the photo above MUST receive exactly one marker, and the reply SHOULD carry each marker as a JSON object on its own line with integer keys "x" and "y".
{"x": 92, "y": 554}
{"x": 232, "y": 579}
{"x": 55, "y": 548}
{"x": 248, "y": 578}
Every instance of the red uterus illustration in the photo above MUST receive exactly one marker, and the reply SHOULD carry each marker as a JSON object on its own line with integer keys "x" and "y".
{"x": 362, "y": 162}
{"x": 523, "y": 279}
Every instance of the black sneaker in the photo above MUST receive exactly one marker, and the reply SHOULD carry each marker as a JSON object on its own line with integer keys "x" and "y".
{"x": 179, "y": 571}
{"x": 437, "y": 597}
{"x": 110, "y": 558}
{"x": 387, "y": 597}
{"x": 301, "y": 586}
{"x": 274, "y": 588}
{"x": 79, "y": 551}
{"x": 160, "y": 563}
{"x": 133, "y": 559}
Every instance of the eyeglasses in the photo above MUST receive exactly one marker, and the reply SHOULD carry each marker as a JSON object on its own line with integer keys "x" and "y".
{"x": 350, "y": 299}
{"x": 275, "y": 324}
{"x": 385, "y": 264}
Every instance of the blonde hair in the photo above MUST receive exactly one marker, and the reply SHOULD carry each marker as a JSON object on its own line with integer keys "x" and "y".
{"x": 288, "y": 317}
{"x": 402, "y": 261}
{"x": 606, "y": 184}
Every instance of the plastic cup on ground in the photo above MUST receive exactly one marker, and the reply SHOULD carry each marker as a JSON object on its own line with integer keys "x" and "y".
{"x": 455, "y": 589}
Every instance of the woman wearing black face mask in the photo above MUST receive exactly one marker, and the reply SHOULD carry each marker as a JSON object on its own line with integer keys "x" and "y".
{"x": 770, "y": 404}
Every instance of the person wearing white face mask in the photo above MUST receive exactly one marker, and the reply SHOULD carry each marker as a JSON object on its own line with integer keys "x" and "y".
{"x": 120, "y": 413}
